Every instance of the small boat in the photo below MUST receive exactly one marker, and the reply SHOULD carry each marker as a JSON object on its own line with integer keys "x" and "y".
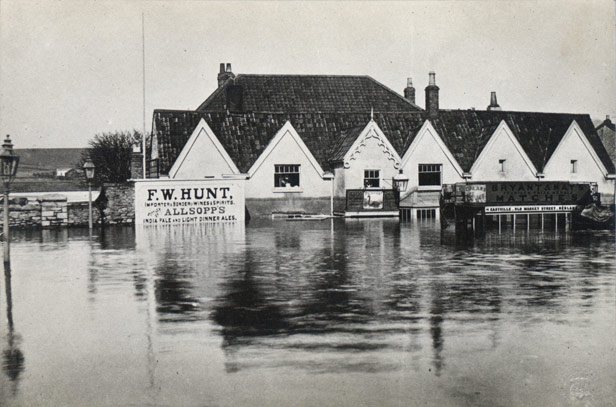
{"x": 592, "y": 216}
{"x": 308, "y": 217}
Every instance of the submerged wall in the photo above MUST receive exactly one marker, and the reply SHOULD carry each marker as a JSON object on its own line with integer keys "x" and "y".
{"x": 47, "y": 211}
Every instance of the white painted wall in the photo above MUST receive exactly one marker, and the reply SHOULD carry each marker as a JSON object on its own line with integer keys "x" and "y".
{"x": 202, "y": 156}
{"x": 287, "y": 150}
{"x": 575, "y": 146}
{"x": 427, "y": 148}
{"x": 203, "y": 159}
{"x": 503, "y": 145}
{"x": 371, "y": 151}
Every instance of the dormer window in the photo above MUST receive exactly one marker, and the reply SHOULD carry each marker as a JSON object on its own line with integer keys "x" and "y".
{"x": 501, "y": 164}
{"x": 574, "y": 168}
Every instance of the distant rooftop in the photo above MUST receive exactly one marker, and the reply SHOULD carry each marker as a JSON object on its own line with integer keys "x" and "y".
{"x": 305, "y": 94}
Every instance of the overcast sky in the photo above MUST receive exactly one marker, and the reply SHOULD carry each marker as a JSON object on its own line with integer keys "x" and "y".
{"x": 69, "y": 70}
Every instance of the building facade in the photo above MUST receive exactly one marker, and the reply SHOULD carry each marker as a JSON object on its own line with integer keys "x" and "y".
{"x": 303, "y": 143}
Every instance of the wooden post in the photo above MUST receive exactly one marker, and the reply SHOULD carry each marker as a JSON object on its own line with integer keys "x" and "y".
{"x": 567, "y": 221}
{"x": 541, "y": 220}
{"x": 528, "y": 222}
{"x": 556, "y": 222}
{"x": 499, "y": 223}
{"x": 514, "y": 223}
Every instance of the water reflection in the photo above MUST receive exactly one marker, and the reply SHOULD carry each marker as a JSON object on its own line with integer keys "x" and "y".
{"x": 356, "y": 290}
{"x": 13, "y": 358}
{"x": 375, "y": 307}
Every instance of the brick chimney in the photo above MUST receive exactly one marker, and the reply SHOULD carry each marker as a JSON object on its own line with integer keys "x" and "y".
{"x": 493, "y": 103}
{"x": 409, "y": 91}
{"x": 224, "y": 74}
{"x": 432, "y": 96}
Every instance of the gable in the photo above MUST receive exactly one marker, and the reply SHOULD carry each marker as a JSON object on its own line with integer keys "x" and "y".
{"x": 503, "y": 145}
{"x": 371, "y": 145}
{"x": 429, "y": 148}
{"x": 288, "y": 145}
{"x": 575, "y": 146}
{"x": 202, "y": 156}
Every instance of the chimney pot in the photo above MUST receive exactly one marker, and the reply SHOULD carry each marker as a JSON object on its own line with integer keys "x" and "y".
{"x": 493, "y": 103}
{"x": 224, "y": 74}
{"x": 409, "y": 91}
{"x": 607, "y": 117}
{"x": 432, "y": 96}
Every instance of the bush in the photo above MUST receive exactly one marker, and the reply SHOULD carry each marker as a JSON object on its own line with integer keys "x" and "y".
{"x": 111, "y": 154}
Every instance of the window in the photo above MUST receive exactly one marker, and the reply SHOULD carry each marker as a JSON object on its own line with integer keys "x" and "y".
{"x": 372, "y": 178}
{"x": 286, "y": 176}
{"x": 429, "y": 174}
{"x": 573, "y": 166}
{"x": 501, "y": 164}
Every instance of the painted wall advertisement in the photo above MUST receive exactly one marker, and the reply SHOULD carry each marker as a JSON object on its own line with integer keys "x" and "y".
{"x": 546, "y": 192}
{"x": 178, "y": 202}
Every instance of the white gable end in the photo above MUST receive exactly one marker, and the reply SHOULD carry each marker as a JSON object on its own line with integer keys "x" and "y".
{"x": 503, "y": 159}
{"x": 575, "y": 160}
{"x": 287, "y": 149}
{"x": 202, "y": 156}
{"x": 429, "y": 148}
{"x": 370, "y": 151}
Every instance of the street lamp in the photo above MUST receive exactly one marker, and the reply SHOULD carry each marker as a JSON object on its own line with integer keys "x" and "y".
{"x": 400, "y": 182}
{"x": 8, "y": 169}
{"x": 88, "y": 169}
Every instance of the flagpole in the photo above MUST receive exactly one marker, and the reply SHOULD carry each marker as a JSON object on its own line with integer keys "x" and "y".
{"x": 143, "y": 150}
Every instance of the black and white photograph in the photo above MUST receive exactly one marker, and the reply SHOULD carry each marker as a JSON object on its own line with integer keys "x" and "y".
{"x": 308, "y": 203}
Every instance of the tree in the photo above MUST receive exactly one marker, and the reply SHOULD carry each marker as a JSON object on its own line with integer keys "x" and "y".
{"x": 111, "y": 154}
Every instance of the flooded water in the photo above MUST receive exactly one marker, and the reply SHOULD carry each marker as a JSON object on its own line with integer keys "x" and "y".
{"x": 330, "y": 313}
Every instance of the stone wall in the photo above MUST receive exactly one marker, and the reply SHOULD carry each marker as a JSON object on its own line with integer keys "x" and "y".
{"x": 78, "y": 214}
{"x": 23, "y": 213}
{"x": 119, "y": 203}
{"x": 48, "y": 211}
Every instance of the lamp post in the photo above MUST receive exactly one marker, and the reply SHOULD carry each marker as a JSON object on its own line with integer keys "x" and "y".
{"x": 8, "y": 169}
{"x": 88, "y": 169}
{"x": 400, "y": 182}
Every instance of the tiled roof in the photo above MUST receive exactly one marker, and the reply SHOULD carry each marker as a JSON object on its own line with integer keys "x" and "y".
{"x": 328, "y": 135}
{"x": 245, "y": 136}
{"x": 466, "y": 132}
{"x": 307, "y": 94}
{"x": 340, "y": 147}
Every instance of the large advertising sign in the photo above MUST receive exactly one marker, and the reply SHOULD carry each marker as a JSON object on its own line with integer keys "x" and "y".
{"x": 170, "y": 202}
{"x": 518, "y": 193}
{"x": 545, "y": 192}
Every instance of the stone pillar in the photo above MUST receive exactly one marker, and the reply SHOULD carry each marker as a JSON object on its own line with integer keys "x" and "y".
{"x": 136, "y": 163}
{"x": 53, "y": 210}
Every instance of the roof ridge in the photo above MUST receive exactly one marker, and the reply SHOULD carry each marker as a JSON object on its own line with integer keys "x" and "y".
{"x": 303, "y": 75}
{"x": 175, "y": 111}
{"x": 394, "y": 92}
